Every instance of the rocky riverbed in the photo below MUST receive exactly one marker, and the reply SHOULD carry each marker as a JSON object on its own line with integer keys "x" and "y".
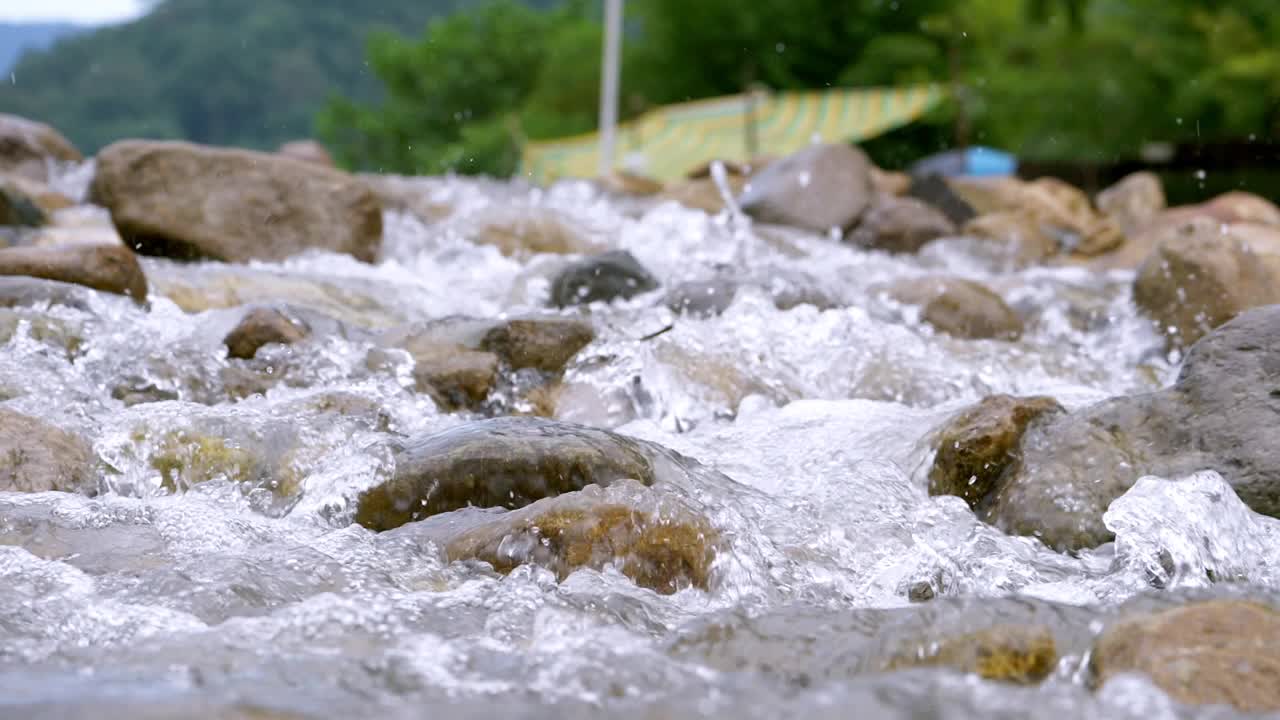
{"x": 802, "y": 439}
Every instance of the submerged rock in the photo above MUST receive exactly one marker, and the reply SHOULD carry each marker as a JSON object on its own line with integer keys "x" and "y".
{"x": 545, "y": 344}
{"x": 1020, "y": 654}
{"x": 817, "y": 188}
{"x": 263, "y": 326}
{"x": 38, "y": 457}
{"x": 959, "y": 307}
{"x": 27, "y": 146}
{"x": 503, "y": 462}
{"x": 1218, "y": 652}
{"x": 665, "y": 551}
{"x": 109, "y": 268}
{"x": 602, "y": 278}
{"x": 900, "y": 225}
{"x": 188, "y": 201}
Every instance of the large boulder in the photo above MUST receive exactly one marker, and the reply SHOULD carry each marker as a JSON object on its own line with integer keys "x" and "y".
{"x": 504, "y": 462}
{"x": 1221, "y": 652}
{"x": 818, "y": 188}
{"x": 1201, "y": 274}
{"x": 664, "y": 550}
{"x": 958, "y": 307}
{"x": 609, "y": 276}
{"x": 1218, "y": 415}
{"x": 109, "y": 268}
{"x": 38, "y": 457}
{"x": 1133, "y": 201}
{"x": 189, "y": 201}
{"x": 27, "y": 147}
{"x": 900, "y": 225}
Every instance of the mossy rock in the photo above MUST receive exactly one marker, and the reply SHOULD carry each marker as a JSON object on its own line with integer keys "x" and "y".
{"x": 1018, "y": 654}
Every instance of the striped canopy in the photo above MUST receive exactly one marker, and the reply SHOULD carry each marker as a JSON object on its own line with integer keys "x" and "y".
{"x": 667, "y": 142}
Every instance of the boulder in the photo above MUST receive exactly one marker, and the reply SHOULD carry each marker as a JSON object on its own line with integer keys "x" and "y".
{"x": 187, "y": 201}
{"x": 307, "y": 151}
{"x": 818, "y": 188}
{"x": 900, "y": 225}
{"x": 263, "y": 326}
{"x": 545, "y": 344}
{"x": 521, "y": 231}
{"x": 38, "y": 457}
{"x": 109, "y": 268}
{"x": 702, "y": 193}
{"x": 503, "y": 462}
{"x": 663, "y": 551}
{"x": 1201, "y": 275}
{"x": 27, "y": 146}
{"x": 1133, "y": 201}
{"x": 1018, "y": 654}
{"x": 961, "y": 308}
{"x": 1018, "y": 231}
{"x": 1218, "y": 415}
{"x": 602, "y": 278}
{"x": 1220, "y": 652}
{"x": 976, "y": 445}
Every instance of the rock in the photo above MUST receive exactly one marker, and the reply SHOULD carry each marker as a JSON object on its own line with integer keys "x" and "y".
{"x": 109, "y": 268}
{"x": 710, "y": 297}
{"x": 1199, "y": 277}
{"x": 1216, "y": 416}
{"x": 731, "y": 168}
{"x": 987, "y": 194}
{"x": 457, "y": 377}
{"x": 307, "y": 151}
{"x": 602, "y": 278}
{"x": 38, "y": 457}
{"x": 889, "y": 182}
{"x": 664, "y": 552}
{"x": 702, "y": 298}
{"x": 1133, "y": 201}
{"x": 934, "y": 191}
{"x": 26, "y": 147}
{"x": 545, "y": 344}
{"x": 531, "y": 230}
{"x": 263, "y": 326}
{"x": 702, "y": 193}
{"x": 959, "y": 307}
{"x": 978, "y": 444}
{"x": 1238, "y": 206}
{"x": 20, "y": 291}
{"x": 188, "y": 201}
{"x": 17, "y": 209}
{"x": 1222, "y": 652}
{"x": 503, "y": 462}
{"x": 1018, "y": 231}
{"x": 1018, "y": 654}
{"x": 1062, "y": 210}
{"x": 626, "y": 183}
{"x": 817, "y": 188}
{"x": 900, "y": 225}
{"x": 421, "y": 197}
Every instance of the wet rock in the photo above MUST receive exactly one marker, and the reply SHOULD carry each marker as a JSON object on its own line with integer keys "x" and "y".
{"x": 1019, "y": 232}
{"x": 900, "y": 225}
{"x": 188, "y": 201}
{"x": 818, "y": 188}
{"x": 1218, "y": 415}
{"x": 263, "y": 326}
{"x": 711, "y": 297}
{"x": 978, "y": 444}
{"x": 987, "y": 194}
{"x": 27, "y": 146}
{"x": 545, "y": 344}
{"x": 1019, "y": 654}
{"x": 702, "y": 193}
{"x": 1062, "y": 210}
{"x": 109, "y": 268}
{"x": 1219, "y": 652}
{"x": 27, "y": 291}
{"x": 519, "y": 231}
{"x": 702, "y": 298}
{"x": 457, "y": 377}
{"x": 890, "y": 182}
{"x": 503, "y": 462}
{"x": 1239, "y": 206}
{"x": 421, "y": 197}
{"x": 28, "y": 203}
{"x": 1133, "y": 201}
{"x": 307, "y": 151}
{"x": 38, "y": 457}
{"x": 958, "y": 307}
{"x": 204, "y": 449}
{"x": 937, "y": 193}
{"x": 663, "y": 551}
{"x": 1199, "y": 277}
{"x": 627, "y": 183}
{"x": 602, "y": 278}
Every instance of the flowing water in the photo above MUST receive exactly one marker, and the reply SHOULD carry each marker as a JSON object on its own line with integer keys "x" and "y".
{"x": 234, "y": 598}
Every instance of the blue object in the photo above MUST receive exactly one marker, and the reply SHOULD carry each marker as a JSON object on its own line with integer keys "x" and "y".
{"x": 969, "y": 161}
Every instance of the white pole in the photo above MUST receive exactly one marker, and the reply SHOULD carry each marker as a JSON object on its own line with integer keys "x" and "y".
{"x": 609, "y": 83}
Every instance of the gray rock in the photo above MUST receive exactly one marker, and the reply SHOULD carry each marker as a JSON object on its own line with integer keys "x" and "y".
{"x": 900, "y": 225}
{"x": 38, "y": 457}
{"x": 817, "y": 188}
{"x": 603, "y": 278}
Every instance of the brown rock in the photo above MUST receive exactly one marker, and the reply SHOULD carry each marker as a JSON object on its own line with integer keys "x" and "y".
{"x": 188, "y": 201}
{"x": 26, "y": 147}
{"x": 890, "y": 182}
{"x": 38, "y": 457}
{"x": 900, "y": 225}
{"x": 664, "y": 552}
{"x": 731, "y": 168}
{"x": 1063, "y": 211}
{"x": 1208, "y": 653}
{"x": 816, "y": 189}
{"x": 702, "y": 193}
{"x": 457, "y": 377}
{"x": 977, "y": 445}
{"x": 1019, "y": 231}
{"x": 17, "y": 191}
{"x": 1018, "y": 654}
{"x": 531, "y": 230}
{"x": 1199, "y": 277}
{"x": 545, "y": 344}
{"x": 1133, "y": 201}
{"x": 307, "y": 151}
{"x": 959, "y": 307}
{"x": 109, "y": 268}
{"x": 626, "y": 183}
{"x": 1237, "y": 206}
{"x": 263, "y": 326}
{"x": 988, "y": 194}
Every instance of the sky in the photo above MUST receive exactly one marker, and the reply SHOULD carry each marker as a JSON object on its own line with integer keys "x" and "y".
{"x": 83, "y": 11}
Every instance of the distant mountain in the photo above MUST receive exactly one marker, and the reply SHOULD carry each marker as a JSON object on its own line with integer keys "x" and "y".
{"x": 17, "y": 38}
